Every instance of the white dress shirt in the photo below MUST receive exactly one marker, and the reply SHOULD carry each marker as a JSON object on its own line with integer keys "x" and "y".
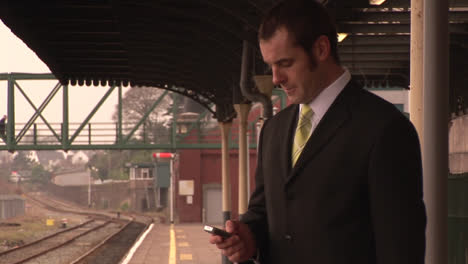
{"x": 323, "y": 101}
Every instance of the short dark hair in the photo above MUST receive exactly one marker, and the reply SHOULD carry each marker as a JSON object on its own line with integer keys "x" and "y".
{"x": 305, "y": 19}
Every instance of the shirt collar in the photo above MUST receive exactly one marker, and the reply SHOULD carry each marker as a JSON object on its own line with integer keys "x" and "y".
{"x": 323, "y": 101}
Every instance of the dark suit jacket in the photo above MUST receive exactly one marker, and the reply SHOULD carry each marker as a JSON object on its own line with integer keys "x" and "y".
{"x": 355, "y": 194}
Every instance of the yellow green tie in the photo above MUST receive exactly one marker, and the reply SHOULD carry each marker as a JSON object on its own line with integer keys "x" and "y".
{"x": 304, "y": 126}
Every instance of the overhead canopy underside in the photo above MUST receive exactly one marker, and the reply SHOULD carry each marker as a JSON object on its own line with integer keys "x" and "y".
{"x": 194, "y": 47}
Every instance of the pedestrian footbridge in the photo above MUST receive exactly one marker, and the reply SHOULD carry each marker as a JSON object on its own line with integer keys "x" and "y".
{"x": 180, "y": 129}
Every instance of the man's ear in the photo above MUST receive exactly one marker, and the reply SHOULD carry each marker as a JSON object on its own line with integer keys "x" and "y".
{"x": 321, "y": 48}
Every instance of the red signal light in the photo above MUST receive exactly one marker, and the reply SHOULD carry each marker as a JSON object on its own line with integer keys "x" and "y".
{"x": 166, "y": 155}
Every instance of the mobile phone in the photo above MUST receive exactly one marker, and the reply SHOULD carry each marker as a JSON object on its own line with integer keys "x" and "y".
{"x": 216, "y": 231}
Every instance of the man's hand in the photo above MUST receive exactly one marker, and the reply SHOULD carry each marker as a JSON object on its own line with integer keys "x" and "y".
{"x": 240, "y": 246}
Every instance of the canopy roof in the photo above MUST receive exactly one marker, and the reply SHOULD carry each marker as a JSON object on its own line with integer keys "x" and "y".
{"x": 194, "y": 47}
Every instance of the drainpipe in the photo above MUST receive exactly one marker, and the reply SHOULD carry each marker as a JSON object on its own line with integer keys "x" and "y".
{"x": 247, "y": 82}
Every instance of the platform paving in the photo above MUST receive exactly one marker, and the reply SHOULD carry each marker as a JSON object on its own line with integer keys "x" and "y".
{"x": 189, "y": 246}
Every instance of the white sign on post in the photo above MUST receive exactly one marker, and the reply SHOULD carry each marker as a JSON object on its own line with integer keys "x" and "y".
{"x": 186, "y": 187}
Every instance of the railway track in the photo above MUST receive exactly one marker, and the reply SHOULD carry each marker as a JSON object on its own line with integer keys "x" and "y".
{"x": 55, "y": 242}
{"x": 115, "y": 248}
{"x": 101, "y": 239}
{"x": 58, "y": 206}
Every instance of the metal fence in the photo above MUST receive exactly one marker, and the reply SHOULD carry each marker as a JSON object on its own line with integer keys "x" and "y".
{"x": 195, "y": 134}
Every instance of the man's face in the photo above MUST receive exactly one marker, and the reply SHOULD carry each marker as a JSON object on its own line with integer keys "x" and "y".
{"x": 292, "y": 67}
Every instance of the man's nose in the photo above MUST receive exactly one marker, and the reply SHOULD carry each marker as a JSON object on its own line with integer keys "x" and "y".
{"x": 278, "y": 77}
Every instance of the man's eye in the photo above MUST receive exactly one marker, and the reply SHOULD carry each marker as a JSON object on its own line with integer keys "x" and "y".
{"x": 285, "y": 63}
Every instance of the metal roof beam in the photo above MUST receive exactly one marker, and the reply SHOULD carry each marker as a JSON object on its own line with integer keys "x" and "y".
{"x": 168, "y": 54}
{"x": 386, "y": 4}
{"x": 241, "y": 9}
{"x": 210, "y": 18}
{"x": 189, "y": 70}
{"x": 192, "y": 37}
{"x": 349, "y": 57}
{"x": 390, "y": 28}
{"x": 103, "y": 40}
{"x": 76, "y": 27}
{"x": 375, "y": 49}
{"x": 175, "y": 75}
{"x": 359, "y": 40}
{"x": 375, "y": 71}
{"x": 109, "y": 48}
{"x": 361, "y": 15}
{"x": 379, "y": 65}
{"x": 91, "y": 59}
{"x": 372, "y": 40}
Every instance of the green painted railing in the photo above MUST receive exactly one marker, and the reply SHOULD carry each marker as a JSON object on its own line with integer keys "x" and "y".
{"x": 40, "y": 134}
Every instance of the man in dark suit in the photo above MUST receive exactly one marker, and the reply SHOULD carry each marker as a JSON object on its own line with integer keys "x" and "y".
{"x": 339, "y": 177}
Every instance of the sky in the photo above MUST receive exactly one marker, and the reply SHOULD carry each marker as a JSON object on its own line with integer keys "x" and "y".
{"x": 15, "y": 56}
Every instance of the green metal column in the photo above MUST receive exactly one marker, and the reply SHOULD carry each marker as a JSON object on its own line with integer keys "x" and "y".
{"x": 11, "y": 114}
{"x": 89, "y": 133}
{"x": 35, "y": 134}
{"x": 65, "y": 119}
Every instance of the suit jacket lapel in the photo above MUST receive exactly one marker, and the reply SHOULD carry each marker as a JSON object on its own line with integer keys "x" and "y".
{"x": 287, "y": 139}
{"x": 335, "y": 117}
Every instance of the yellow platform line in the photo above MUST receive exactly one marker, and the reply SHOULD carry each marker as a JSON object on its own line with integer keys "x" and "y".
{"x": 172, "y": 247}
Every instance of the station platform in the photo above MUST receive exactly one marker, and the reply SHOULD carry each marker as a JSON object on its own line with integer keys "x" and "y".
{"x": 176, "y": 244}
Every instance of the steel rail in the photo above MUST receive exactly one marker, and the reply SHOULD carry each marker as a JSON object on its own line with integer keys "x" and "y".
{"x": 44, "y": 238}
{"x": 99, "y": 245}
{"x": 63, "y": 244}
